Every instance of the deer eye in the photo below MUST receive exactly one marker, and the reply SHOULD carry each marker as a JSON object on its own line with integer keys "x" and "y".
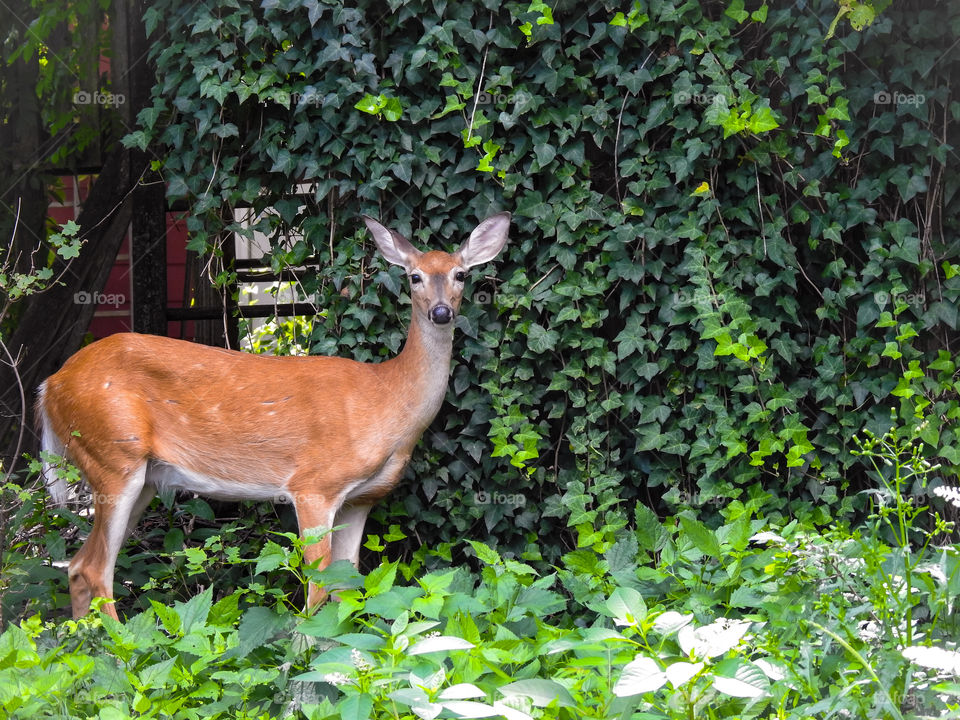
{"x": 416, "y": 279}
{"x": 460, "y": 276}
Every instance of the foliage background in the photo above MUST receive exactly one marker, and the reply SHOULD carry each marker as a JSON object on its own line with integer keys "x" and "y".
{"x": 734, "y": 241}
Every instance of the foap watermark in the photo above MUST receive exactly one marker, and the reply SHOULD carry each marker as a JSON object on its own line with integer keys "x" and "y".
{"x": 495, "y": 498}
{"x": 482, "y": 297}
{"x": 682, "y": 97}
{"x": 885, "y": 97}
{"x": 698, "y": 295}
{"x": 487, "y": 98}
{"x": 297, "y": 99}
{"x": 97, "y": 298}
{"x": 82, "y": 97}
{"x": 883, "y": 298}
{"x": 698, "y": 499}
{"x": 289, "y": 497}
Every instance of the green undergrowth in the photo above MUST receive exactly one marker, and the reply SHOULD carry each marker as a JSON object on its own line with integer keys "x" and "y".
{"x": 674, "y": 620}
{"x": 742, "y": 621}
{"x": 750, "y": 617}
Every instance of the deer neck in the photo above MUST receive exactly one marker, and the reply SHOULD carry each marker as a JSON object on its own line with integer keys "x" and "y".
{"x": 421, "y": 371}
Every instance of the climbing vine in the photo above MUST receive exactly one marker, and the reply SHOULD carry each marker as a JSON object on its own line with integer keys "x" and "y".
{"x": 734, "y": 238}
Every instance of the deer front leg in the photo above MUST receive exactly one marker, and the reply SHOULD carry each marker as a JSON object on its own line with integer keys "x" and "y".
{"x": 353, "y": 514}
{"x": 346, "y": 541}
{"x": 315, "y": 512}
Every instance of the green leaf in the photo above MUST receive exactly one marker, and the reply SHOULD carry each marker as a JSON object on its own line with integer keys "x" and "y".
{"x": 541, "y": 692}
{"x": 155, "y": 676}
{"x": 392, "y": 109}
{"x": 355, "y": 707}
{"x": 640, "y": 675}
{"x": 272, "y": 556}
{"x": 631, "y": 338}
{"x": 369, "y": 104}
{"x": 762, "y": 121}
{"x": 439, "y": 643}
{"x": 626, "y": 606}
{"x": 69, "y": 250}
{"x": 453, "y": 104}
{"x": 380, "y": 579}
{"x": 195, "y": 611}
{"x": 485, "y": 553}
{"x": 541, "y": 340}
{"x": 702, "y": 537}
{"x": 736, "y": 11}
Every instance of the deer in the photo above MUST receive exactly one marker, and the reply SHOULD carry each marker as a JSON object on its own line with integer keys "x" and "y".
{"x": 138, "y": 414}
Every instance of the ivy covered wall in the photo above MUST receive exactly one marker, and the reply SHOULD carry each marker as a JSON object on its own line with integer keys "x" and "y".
{"x": 734, "y": 240}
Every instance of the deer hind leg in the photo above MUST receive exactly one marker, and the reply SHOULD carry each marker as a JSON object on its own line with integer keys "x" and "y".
{"x": 91, "y": 570}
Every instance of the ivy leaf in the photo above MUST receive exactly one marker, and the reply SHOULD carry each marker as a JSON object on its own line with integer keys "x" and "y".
{"x": 69, "y": 250}
{"x": 762, "y": 121}
{"x": 631, "y": 338}
{"x": 760, "y": 14}
{"x": 214, "y": 88}
{"x": 454, "y": 103}
{"x": 736, "y": 11}
{"x": 368, "y": 104}
{"x": 540, "y": 339}
{"x": 392, "y": 110}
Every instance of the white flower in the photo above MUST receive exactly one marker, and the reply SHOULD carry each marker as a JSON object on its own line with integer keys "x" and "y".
{"x": 869, "y": 630}
{"x": 337, "y": 678}
{"x": 950, "y": 494}
{"x": 934, "y": 657}
{"x": 359, "y": 662}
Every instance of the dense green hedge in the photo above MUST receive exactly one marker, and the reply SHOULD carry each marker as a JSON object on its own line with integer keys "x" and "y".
{"x": 734, "y": 241}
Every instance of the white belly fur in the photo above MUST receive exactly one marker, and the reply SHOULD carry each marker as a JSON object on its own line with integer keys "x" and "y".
{"x": 166, "y": 476}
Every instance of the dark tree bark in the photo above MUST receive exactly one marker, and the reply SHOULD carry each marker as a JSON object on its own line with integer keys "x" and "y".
{"x": 148, "y": 246}
{"x": 54, "y": 322}
{"x": 23, "y": 202}
{"x": 23, "y": 195}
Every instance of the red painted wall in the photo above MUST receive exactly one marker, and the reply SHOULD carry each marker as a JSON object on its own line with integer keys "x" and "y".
{"x": 115, "y": 302}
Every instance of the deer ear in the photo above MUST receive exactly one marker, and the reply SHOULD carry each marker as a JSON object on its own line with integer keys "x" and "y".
{"x": 393, "y": 246}
{"x": 486, "y": 241}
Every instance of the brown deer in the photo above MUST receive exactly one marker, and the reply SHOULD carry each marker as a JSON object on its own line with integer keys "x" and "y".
{"x": 141, "y": 413}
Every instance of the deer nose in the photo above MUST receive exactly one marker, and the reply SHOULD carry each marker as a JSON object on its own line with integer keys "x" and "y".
{"x": 441, "y": 314}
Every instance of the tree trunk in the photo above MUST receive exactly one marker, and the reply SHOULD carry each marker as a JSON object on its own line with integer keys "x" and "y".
{"x": 54, "y": 322}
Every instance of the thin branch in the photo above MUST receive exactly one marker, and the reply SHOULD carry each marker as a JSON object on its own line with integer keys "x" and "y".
{"x": 476, "y": 97}
{"x": 13, "y": 362}
{"x": 616, "y": 140}
{"x": 483, "y": 69}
